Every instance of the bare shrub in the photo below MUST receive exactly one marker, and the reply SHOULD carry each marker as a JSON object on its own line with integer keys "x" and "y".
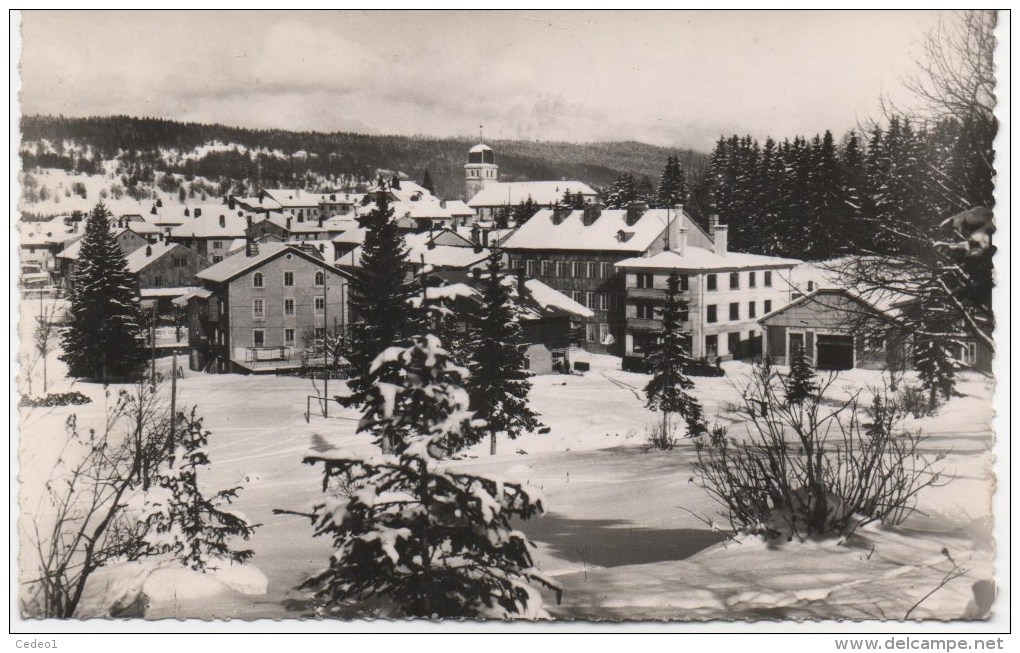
{"x": 813, "y": 467}
{"x": 662, "y": 437}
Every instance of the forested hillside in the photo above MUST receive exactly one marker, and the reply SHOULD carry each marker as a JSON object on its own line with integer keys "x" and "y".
{"x": 145, "y": 146}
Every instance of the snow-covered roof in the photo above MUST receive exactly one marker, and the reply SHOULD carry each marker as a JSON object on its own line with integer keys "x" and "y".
{"x": 237, "y": 264}
{"x": 259, "y": 203}
{"x": 540, "y": 300}
{"x": 610, "y": 232}
{"x": 459, "y": 208}
{"x": 884, "y": 307}
{"x": 146, "y": 255}
{"x": 699, "y": 258}
{"x": 423, "y": 209}
{"x": 52, "y": 232}
{"x": 280, "y": 220}
{"x": 150, "y": 293}
{"x": 294, "y": 197}
{"x": 207, "y": 225}
{"x": 453, "y": 257}
{"x": 201, "y": 293}
{"x": 543, "y": 193}
{"x": 354, "y": 236}
{"x": 481, "y": 147}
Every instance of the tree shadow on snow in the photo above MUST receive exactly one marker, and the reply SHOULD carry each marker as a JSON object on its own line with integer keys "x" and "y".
{"x": 615, "y": 543}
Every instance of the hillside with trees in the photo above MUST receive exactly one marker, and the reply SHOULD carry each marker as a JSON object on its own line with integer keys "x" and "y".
{"x": 236, "y": 158}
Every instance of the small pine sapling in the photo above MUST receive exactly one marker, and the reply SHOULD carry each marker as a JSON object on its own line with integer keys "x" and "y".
{"x": 432, "y": 542}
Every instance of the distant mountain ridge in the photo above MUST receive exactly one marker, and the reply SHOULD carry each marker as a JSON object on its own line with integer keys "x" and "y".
{"x": 276, "y": 157}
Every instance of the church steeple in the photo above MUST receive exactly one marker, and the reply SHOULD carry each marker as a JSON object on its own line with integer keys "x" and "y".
{"x": 480, "y": 170}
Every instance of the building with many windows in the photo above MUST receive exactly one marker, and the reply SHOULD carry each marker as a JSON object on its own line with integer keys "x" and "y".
{"x": 726, "y": 294}
{"x": 254, "y": 308}
{"x": 576, "y": 253}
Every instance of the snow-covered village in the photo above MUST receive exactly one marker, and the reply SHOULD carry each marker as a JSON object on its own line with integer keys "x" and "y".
{"x": 277, "y": 369}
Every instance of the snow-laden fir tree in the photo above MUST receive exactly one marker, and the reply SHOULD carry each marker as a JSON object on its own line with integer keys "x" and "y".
{"x": 429, "y": 541}
{"x": 103, "y": 339}
{"x": 622, "y": 192}
{"x": 800, "y": 384}
{"x": 181, "y": 520}
{"x": 669, "y": 361}
{"x": 499, "y": 383}
{"x": 381, "y": 291}
{"x": 524, "y": 211}
{"x": 672, "y": 185}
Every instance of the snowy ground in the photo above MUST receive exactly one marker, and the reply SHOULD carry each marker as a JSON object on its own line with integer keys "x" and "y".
{"x": 625, "y": 533}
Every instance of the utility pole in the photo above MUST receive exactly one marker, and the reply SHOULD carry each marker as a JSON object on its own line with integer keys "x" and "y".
{"x": 152, "y": 347}
{"x": 173, "y": 407}
{"x": 325, "y": 343}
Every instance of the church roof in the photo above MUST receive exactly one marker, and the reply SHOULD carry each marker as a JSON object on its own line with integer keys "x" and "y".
{"x": 481, "y": 147}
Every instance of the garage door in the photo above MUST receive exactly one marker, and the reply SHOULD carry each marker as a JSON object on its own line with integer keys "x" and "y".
{"x": 835, "y": 352}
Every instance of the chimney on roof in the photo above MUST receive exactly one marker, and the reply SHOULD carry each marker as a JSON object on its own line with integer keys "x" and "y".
{"x": 673, "y": 227}
{"x": 223, "y": 220}
{"x": 521, "y": 282}
{"x": 681, "y": 242}
{"x": 634, "y": 212}
{"x": 159, "y": 202}
{"x": 230, "y": 202}
{"x": 148, "y": 250}
{"x": 153, "y": 210}
{"x": 485, "y": 238}
{"x": 592, "y": 211}
{"x": 320, "y": 221}
{"x": 476, "y": 273}
{"x": 332, "y": 197}
{"x": 187, "y": 213}
{"x": 247, "y": 221}
{"x": 198, "y": 212}
{"x": 475, "y": 233}
{"x": 720, "y": 235}
{"x": 560, "y": 213}
{"x": 288, "y": 222}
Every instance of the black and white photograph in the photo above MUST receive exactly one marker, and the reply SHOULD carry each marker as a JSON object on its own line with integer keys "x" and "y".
{"x": 530, "y": 316}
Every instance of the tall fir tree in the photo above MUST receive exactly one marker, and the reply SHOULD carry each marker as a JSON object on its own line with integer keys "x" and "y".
{"x": 103, "y": 340}
{"x": 669, "y": 362}
{"x": 499, "y": 383}
{"x": 672, "y": 185}
{"x": 427, "y": 183}
{"x": 380, "y": 301}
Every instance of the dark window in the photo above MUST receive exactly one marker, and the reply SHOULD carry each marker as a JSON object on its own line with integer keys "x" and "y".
{"x": 752, "y": 309}
{"x": 288, "y": 278}
{"x": 768, "y": 279}
{"x": 710, "y": 313}
{"x": 768, "y": 305}
{"x": 735, "y": 311}
{"x": 683, "y": 282}
{"x": 257, "y": 280}
{"x": 644, "y": 280}
{"x": 320, "y": 278}
{"x": 733, "y": 344}
{"x": 710, "y": 281}
{"x": 734, "y": 280}
{"x": 752, "y": 279}
{"x": 810, "y": 286}
{"x": 645, "y": 311}
{"x": 711, "y": 346}
{"x": 258, "y": 337}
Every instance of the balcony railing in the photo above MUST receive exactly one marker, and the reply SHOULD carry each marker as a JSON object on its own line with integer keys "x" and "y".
{"x": 655, "y": 293}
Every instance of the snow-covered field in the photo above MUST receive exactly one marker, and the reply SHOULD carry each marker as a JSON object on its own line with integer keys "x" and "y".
{"x": 626, "y": 531}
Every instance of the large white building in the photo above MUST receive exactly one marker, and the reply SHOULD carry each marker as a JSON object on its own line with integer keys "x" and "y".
{"x": 726, "y": 293}
{"x": 487, "y": 194}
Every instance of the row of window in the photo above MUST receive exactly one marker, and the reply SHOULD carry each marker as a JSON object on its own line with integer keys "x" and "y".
{"x": 712, "y": 281}
{"x": 258, "y": 307}
{"x": 712, "y": 315}
{"x": 564, "y": 269}
{"x": 647, "y": 280}
{"x": 596, "y": 332}
{"x": 597, "y": 301}
{"x": 648, "y": 311}
{"x": 258, "y": 280}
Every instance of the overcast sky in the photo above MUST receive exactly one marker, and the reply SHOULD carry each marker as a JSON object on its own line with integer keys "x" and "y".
{"x": 669, "y": 78}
